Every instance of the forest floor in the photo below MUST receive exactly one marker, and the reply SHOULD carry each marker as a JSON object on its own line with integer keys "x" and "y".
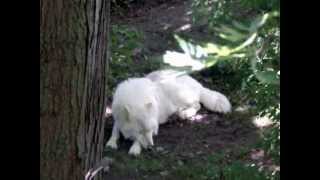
{"x": 200, "y": 149}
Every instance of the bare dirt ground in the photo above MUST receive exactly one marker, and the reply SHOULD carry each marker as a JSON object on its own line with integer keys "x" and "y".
{"x": 159, "y": 22}
{"x": 183, "y": 146}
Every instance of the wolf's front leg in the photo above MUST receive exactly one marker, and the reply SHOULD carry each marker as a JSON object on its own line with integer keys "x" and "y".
{"x": 188, "y": 113}
{"x": 135, "y": 148}
{"x": 112, "y": 143}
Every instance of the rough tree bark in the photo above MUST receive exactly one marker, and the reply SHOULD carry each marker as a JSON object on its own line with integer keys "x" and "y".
{"x": 73, "y": 69}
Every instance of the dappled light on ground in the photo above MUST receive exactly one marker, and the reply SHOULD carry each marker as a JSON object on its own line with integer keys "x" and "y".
{"x": 183, "y": 144}
{"x": 183, "y": 28}
{"x": 262, "y": 122}
{"x": 200, "y": 118}
{"x": 242, "y": 109}
{"x": 258, "y": 157}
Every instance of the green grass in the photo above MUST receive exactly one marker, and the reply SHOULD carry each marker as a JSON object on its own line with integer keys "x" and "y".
{"x": 211, "y": 167}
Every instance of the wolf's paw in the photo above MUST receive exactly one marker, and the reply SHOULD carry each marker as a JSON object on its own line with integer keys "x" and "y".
{"x": 155, "y": 132}
{"x": 135, "y": 150}
{"x": 112, "y": 144}
{"x": 187, "y": 113}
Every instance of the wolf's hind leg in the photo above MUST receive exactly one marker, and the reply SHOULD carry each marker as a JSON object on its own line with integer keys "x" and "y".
{"x": 188, "y": 113}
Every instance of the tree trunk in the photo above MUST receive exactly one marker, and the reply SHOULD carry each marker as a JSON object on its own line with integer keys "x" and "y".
{"x": 73, "y": 67}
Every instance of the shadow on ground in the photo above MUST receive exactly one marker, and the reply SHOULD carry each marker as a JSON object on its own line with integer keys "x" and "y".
{"x": 183, "y": 149}
{"x": 159, "y": 23}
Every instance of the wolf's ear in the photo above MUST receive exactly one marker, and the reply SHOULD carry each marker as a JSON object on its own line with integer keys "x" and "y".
{"x": 148, "y": 105}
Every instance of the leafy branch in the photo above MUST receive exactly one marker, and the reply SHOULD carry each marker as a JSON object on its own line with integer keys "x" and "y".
{"x": 196, "y": 57}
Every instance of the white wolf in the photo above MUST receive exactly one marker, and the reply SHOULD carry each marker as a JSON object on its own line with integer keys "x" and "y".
{"x": 140, "y": 105}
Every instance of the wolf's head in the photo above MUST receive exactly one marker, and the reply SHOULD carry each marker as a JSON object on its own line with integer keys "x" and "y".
{"x": 138, "y": 102}
{"x": 145, "y": 118}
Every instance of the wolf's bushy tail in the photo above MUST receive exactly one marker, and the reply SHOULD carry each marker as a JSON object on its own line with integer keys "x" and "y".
{"x": 215, "y": 101}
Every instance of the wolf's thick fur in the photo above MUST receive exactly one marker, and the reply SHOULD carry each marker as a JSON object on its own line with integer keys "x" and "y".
{"x": 140, "y": 105}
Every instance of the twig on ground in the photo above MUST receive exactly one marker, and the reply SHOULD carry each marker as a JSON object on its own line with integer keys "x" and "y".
{"x": 104, "y": 165}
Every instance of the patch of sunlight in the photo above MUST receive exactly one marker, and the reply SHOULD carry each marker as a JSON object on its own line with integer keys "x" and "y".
{"x": 241, "y": 55}
{"x": 189, "y": 12}
{"x": 186, "y": 18}
{"x": 182, "y": 60}
{"x": 200, "y": 118}
{"x": 262, "y": 122}
{"x": 269, "y": 69}
{"x": 190, "y": 49}
{"x": 225, "y": 51}
{"x": 183, "y": 28}
{"x": 171, "y": 7}
{"x": 166, "y": 26}
{"x": 212, "y": 48}
{"x": 243, "y": 108}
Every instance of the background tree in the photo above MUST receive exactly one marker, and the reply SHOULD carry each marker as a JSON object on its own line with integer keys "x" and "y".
{"x": 73, "y": 69}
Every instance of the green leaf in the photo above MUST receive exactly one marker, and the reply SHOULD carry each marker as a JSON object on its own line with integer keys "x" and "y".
{"x": 182, "y": 43}
{"x": 258, "y": 22}
{"x": 212, "y": 48}
{"x": 248, "y": 42}
{"x": 239, "y": 55}
{"x": 211, "y": 61}
{"x": 240, "y": 26}
{"x": 190, "y": 49}
{"x": 230, "y": 34}
{"x": 268, "y": 77}
{"x": 182, "y": 60}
